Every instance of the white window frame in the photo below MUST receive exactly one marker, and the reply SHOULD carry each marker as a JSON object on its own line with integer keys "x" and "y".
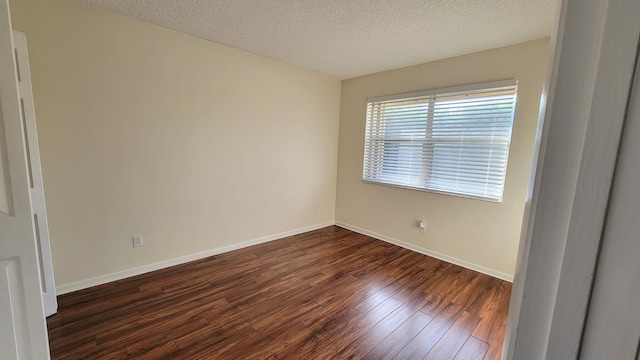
{"x": 372, "y": 163}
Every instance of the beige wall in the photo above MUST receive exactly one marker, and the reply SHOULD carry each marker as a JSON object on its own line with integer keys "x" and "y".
{"x": 479, "y": 233}
{"x": 194, "y": 145}
{"x": 198, "y": 146}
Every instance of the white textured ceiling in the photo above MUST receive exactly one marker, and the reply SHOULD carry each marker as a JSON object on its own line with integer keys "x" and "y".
{"x": 349, "y": 38}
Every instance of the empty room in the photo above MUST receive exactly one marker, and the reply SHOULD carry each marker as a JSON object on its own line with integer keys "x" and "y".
{"x": 272, "y": 179}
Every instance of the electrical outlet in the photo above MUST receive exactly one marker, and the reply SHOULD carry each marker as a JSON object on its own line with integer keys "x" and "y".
{"x": 422, "y": 226}
{"x": 137, "y": 240}
{"x": 315, "y": 208}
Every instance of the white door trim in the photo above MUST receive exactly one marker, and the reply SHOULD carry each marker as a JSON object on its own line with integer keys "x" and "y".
{"x": 595, "y": 53}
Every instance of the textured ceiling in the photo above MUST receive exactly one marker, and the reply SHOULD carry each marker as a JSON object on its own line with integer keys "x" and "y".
{"x": 349, "y": 38}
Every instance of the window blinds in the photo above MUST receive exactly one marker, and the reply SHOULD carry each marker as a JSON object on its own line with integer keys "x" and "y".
{"x": 453, "y": 141}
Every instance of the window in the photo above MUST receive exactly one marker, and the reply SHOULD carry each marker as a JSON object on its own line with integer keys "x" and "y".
{"x": 453, "y": 141}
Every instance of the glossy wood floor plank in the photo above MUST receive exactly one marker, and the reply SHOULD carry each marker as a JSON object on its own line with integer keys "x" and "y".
{"x": 428, "y": 337}
{"x": 473, "y": 349}
{"x": 326, "y": 294}
{"x": 399, "y": 337}
{"x": 453, "y": 340}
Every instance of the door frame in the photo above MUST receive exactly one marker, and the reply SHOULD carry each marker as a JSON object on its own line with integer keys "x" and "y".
{"x": 612, "y": 329}
{"x": 593, "y": 58}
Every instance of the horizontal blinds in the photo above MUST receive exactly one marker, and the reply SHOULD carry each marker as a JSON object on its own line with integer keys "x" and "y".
{"x": 453, "y": 142}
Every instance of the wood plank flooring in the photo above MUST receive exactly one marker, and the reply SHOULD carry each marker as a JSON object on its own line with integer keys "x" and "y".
{"x": 325, "y": 294}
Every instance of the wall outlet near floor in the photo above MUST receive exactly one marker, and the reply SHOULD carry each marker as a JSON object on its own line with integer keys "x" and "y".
{"x": 422, "y": 226}
{"x": 137, "y": 240}
{"x": 315, "y": 208}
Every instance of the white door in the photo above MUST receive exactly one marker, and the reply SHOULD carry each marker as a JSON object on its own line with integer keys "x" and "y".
{"x": 23, "y": 331}
{"x": 36, "y": 187}
{"x": 613, "y": 321}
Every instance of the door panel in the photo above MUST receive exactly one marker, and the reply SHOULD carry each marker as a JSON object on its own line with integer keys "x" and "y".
{"x": 10, "y": 300}
{"x": 23, "y": 332}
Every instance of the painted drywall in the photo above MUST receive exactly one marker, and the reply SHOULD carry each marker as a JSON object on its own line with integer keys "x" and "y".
{"x": 482, "y": 234}
{"x": 193, "y": 145}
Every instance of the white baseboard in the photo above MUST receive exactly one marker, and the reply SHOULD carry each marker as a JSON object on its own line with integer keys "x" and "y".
{"x": 435, "y": 254}
{"x": 102, "y": 279}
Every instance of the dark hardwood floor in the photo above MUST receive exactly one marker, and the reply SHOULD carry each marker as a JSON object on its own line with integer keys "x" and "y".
{"x": 329, "y": 293}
